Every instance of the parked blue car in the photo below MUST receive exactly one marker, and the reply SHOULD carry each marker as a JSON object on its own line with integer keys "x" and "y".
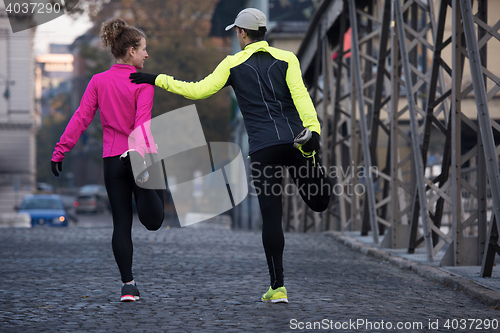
{"x": 45, "y": 209}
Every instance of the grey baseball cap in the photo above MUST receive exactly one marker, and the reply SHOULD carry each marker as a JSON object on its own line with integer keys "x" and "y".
{"x": 249, "y": 18}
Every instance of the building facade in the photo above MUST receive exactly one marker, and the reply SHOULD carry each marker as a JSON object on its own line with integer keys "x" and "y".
{"x": 19, "y": 116}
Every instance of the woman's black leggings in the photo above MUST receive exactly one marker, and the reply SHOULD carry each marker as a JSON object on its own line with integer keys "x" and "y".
{"x": 268, "y": 171}
{"x": 120, "y": 185}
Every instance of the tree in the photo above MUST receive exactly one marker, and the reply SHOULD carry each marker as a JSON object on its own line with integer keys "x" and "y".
{"x": 48, "y": 135}
{"x": 178, "y": 44}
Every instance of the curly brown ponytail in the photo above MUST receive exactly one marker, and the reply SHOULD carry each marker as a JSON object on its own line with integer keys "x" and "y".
{"x": 120, "y": 36}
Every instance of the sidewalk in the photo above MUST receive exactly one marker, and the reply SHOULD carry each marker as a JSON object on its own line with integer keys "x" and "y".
{"x": 463, "y": 278}
{"x": 211, "y": 280}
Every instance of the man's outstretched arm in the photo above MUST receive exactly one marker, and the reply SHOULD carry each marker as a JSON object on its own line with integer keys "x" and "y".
{"x": 192, "y": 90}
{"x": 300, "y": 96}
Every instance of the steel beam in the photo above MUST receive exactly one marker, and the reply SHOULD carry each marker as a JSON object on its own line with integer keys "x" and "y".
{"x": 436, "y": 104}
{"x": 483, "y": 115}
{"x": 355, "y": 58}
{"x": 419, "y": 172}
{"x": 351, "y": 102}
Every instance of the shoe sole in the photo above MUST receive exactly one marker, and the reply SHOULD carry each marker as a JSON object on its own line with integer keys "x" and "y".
{"x": 129, "y": 298}
{"x": 278, "y": 300}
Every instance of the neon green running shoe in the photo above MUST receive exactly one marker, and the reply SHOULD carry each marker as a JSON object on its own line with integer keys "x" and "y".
{"x": 275, "y": 295}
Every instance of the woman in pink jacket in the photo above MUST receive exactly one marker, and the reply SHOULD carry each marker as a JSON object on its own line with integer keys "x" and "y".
{"x": 123, "y": 106}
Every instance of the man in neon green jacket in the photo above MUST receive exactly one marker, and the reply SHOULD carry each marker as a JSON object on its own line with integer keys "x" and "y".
{"x": 276, "y": 109}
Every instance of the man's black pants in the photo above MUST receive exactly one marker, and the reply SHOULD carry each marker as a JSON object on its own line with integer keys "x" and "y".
{"x": 268, "y": 171}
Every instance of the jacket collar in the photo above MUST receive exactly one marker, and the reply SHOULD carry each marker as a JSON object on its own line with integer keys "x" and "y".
{"x": 256, "y": 45}
{"x": 123, "y": 66}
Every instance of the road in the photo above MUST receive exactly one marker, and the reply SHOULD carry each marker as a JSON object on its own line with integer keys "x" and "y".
{"x": 209, "y": 280}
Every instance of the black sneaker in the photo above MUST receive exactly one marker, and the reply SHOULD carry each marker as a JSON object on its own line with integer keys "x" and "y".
{"x": 130, "y": 293}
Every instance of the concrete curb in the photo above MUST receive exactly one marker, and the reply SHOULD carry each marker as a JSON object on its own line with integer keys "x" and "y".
{"x": 485, "y": 295}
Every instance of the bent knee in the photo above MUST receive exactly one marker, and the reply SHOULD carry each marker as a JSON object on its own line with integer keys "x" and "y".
{"x": 152, "y": 223}
{"x": 155, "y": 226}
{"x": 319, "y": 205}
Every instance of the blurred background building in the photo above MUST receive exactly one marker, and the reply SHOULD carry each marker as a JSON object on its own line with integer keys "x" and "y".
{"x": 54, "y": 71}
{"x": 19, "y": 114}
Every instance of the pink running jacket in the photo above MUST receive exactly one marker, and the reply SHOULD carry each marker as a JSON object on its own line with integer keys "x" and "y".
{"x": 123, "y": 106}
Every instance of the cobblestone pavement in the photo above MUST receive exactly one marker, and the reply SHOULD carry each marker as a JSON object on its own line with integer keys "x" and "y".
{"x": 211, "y": 280}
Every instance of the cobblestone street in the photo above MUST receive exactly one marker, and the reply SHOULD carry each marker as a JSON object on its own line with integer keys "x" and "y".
{"x": 194, "y": 279}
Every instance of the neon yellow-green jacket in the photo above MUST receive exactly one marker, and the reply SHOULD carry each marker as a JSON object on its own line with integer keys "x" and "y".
{"x": 268, "y": 85}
